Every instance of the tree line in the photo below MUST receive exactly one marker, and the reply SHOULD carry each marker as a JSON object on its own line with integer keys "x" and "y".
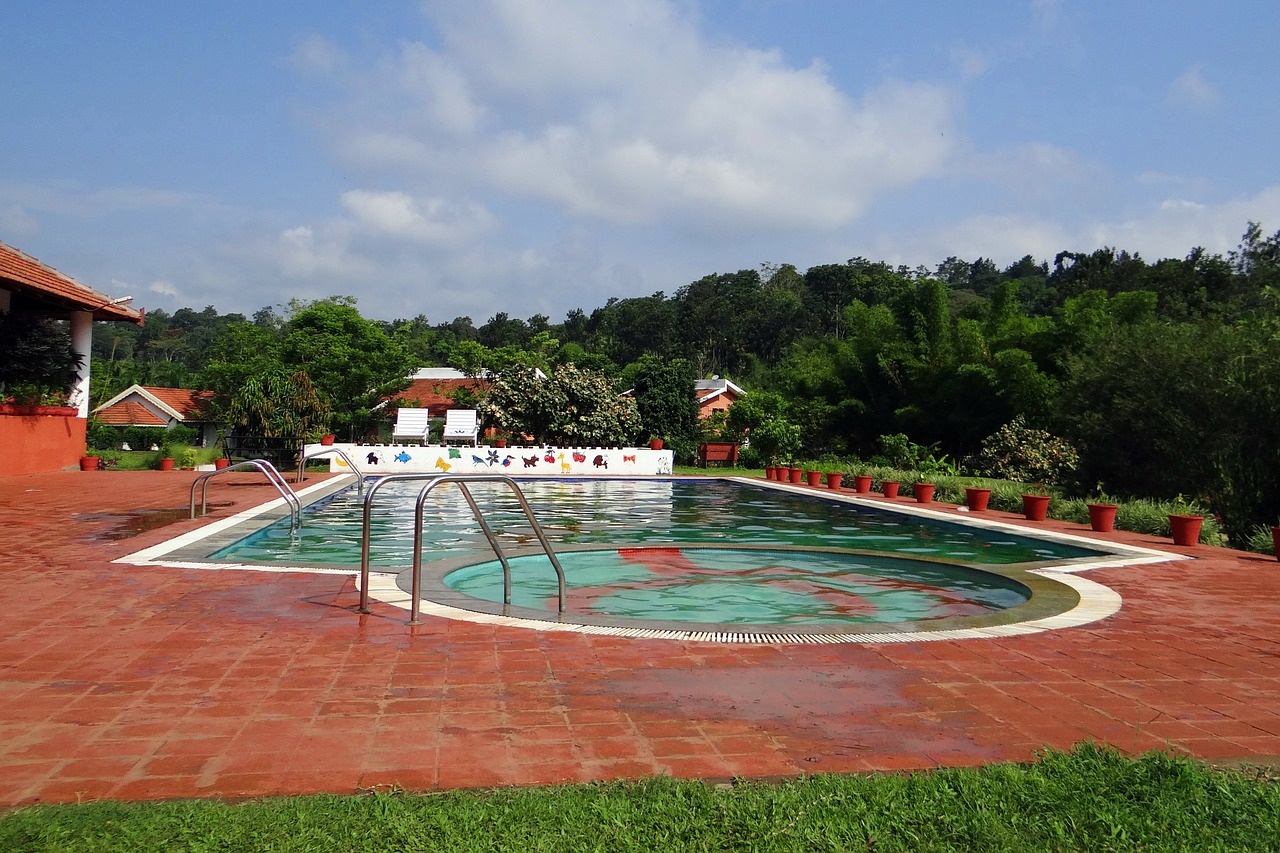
{"x": 1165, "y": 376}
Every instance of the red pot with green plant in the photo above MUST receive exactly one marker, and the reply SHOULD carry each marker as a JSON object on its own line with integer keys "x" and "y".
{"x": 1185, "y": 529}
{"x": 923, "y": 492}
{"x": 795, "y": 475}
{"x": 889, "y": 488}
{"x": 166, "y": 463}
{"x": 814, "y": 478}
{"x": 89, "y": 463}
{"x": 328, "y": 440}
{"x": 1035, "y": 507}
{"x": 221, "y": 462}
{"x": 977, "y": 499}
{"x": 655, "y": 444}
{"x": 862, "y": 483}
{"x": 1102, "y": 517}
{"x": 834, "y": 478}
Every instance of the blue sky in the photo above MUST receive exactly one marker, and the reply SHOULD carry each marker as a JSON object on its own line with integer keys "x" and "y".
{"x": 464, "y": 157}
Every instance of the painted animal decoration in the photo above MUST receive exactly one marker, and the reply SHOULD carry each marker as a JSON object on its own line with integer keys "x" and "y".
{"x": 629, "y": 458}
{"x": 372, "y": 458}
{"x": 600, "y": 461}
{"x": 565, "y": 467}
{"x": 402, "y": 457}
{"x": 506, "y": 461}
{"x": 442, "y": 465}
{"x": 531, "y": 461}
{"x": 477, "y": 460}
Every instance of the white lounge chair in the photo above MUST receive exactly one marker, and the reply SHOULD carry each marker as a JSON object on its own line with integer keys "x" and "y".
{"x": 411, "y": 424}
{"x": 462, "y": 425}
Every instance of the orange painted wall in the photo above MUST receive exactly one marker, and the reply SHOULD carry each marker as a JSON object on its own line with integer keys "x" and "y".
{"x": 34, "y": 444}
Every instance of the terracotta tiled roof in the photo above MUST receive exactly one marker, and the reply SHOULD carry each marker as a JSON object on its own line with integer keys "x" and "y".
{"x": 129, "y": 413}
{"x": 192, "y": 405}
{"x": 433, "y": 394}
{"x": 23, "y": 274}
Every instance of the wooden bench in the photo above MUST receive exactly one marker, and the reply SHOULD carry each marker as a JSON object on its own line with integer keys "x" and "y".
{"x": 721, "y": 452}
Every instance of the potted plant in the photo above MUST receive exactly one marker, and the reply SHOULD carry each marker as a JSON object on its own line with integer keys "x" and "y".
{"x": 189, "y": 458}
{"x": 814, "y": 478}
{"x": 1185, "y": 529}
{"x": 923, "y": 492}
{"x": 166, "y": 458}
{"x": 862, "y": 483}
{"x": 1102, "y": 513}
{"x": 327, "y": 439}
{"x": 794, "y": 474}
{"x": 1035, "y": 507}
{"x": 89, "y": 463}
{"x": 655, "y": 444}
{"x": 977, "y": 498}
{"x": 889, "y": 488}
{"x": 834, "y": 479}
{"x": 221, "y": 462}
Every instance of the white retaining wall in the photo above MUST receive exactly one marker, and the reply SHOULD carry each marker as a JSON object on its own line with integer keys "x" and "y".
{"x": 512, "y": 461}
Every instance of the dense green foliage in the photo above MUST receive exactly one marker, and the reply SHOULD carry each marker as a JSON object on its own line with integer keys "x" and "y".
{"x": 570, "y": 406}
{"x": 1089, "y": 799}
{"x": 664, "y": 402}
{"x": 37, "y": 361}
{"x": 1163, "y": 376}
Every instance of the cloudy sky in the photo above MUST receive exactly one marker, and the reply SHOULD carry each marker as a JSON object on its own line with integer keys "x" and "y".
{"x": 463, "y": 157}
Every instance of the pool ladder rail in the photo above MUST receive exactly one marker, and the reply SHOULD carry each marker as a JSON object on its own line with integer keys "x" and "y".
{"x": 461, "y": 481}
{"x": 268, "y": 470}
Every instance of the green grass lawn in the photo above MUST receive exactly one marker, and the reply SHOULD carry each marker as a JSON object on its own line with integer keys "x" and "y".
{"x": 1089, "y": 799}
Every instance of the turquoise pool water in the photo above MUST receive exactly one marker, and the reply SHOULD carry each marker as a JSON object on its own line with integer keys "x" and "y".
{"x": 755, "y": 587}
{"x": 623, "y": 513}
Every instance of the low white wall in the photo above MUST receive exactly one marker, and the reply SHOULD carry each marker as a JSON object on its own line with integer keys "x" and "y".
{"x": 512, "y": 461}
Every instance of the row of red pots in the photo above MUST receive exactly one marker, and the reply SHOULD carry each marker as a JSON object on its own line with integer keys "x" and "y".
{"x": 1185, "y": 529}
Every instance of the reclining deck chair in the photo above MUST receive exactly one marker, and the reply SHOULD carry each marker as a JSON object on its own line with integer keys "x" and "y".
{"x": 462, "y": 425}
{"x": 411, "y": 424}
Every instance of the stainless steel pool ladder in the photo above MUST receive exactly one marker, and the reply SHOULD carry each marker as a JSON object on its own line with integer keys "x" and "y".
{"x": 268, "y": 470}
{"x": 303, "y": 457}
{"x": 461, "y": 480}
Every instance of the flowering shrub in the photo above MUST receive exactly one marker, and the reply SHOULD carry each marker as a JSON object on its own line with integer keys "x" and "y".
{"x": 34, "y": 395}
{"x": 1019, "y": 452}
{"x": 570, "y": 406}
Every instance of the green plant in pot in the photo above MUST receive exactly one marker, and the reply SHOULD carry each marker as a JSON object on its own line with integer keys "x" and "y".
{"x": 1102, "y": 511}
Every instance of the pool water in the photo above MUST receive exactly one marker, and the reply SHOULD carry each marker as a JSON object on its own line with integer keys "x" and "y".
{"x": 734, "y": 586}
{"x": 623, "y": 513}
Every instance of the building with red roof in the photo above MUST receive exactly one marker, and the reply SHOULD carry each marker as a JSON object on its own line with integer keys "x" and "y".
{"x": 149, "y": 406}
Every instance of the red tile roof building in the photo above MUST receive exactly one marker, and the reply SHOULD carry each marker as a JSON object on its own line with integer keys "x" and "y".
{"x": 148, "y": 406}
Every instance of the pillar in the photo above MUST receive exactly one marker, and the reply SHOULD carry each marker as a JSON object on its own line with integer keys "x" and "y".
{"x": 82, "y": 343}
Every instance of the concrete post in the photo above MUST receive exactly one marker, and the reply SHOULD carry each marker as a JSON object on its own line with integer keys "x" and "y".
{"x": 82, "y": 343}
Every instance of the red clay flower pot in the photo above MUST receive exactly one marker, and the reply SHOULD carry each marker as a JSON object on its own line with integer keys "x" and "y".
{"x": 166, "y": 464}
{"x": 889, "y": 488}
{"x": 862, "y": 483}
{"x": 221, "y": 463}
{"x": 1102, "y": 517}
{"x": 89, "y": 463}
{"x": 1035, "y": 507}
{"x": 814, "y": 478}
{"x": 923, "y": 492}
{"x": 327, "y": 440}
{"x": 768, "y": 472}
{"x": 795, "y": 474}
{"x": 655, "y": 444}
{"x": 834, "y": 479}
{"x": 1185, "y": 529}
{"x": 499, "y": 442}
{"x": 977, "y": 499}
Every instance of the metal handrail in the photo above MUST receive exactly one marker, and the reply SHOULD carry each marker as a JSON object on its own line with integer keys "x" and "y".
{"x": 268, "y": 470}
{"x": 303, "y": 457}
{"x": 462, "y": 480}
{"x": 417, "y": 536}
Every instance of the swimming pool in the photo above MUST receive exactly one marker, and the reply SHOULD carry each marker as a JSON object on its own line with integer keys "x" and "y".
{"x": 685, "y": 516}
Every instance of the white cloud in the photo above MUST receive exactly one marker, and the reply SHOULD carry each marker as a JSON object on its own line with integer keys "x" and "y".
{"x": 163, "y": 288}
{"x": 431, "y": 221}
{"x": 1192, "y": 91}
{"x": 623, "y": 113}
{"x": 316, "y": 55}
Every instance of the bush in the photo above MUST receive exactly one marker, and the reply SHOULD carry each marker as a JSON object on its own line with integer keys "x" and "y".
{"x": 100, "y": 436}
{"x": 1019, "y": 452}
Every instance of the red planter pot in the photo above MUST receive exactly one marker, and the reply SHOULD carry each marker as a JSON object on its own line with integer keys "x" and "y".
{"x": 1185, "y": 529}
{"x": 89, "y": 463}
{"x": 889, "y": 488}
{"x": 219, "y": 464}
{"x": 923, "y": 492}
{"x": 814, "y": 478}
{"x": 166, "y": 464}
{"x": 794, "y": 475}
{"x": 499, "y": 442}
{"x": 977, "y": 499}
{"x": 655, "y": 444}
{"x": 768, "y": 472}
{"x": 327, "y": 440}
{"x": 834, "y": 479}
{"x": 1102, "y": 517}
{"x": 1035, "y": 507}
{"x": 862, "y": 483}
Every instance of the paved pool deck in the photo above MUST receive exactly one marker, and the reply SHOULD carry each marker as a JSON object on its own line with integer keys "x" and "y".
{"x": 133, "y": 683}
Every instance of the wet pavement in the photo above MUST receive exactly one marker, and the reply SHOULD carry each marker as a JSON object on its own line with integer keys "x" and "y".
{"x": 145, "y": 683}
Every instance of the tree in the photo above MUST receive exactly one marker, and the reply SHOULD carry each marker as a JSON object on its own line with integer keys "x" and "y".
{"x": 665, "y": 402}
{"x": 37, "y": 352}
{"x": 278, "y": 404}
{"x": 569, "y": 406}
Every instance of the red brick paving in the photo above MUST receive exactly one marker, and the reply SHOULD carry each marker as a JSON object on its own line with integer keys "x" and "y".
{"x": 144, "y": 683}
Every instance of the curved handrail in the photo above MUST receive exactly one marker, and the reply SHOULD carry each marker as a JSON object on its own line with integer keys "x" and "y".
{"x": 303, "y": 456}
{"x": 462, "y": 480}
{"x": 268, "y": 470}
{"x": 417, "y": 536}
